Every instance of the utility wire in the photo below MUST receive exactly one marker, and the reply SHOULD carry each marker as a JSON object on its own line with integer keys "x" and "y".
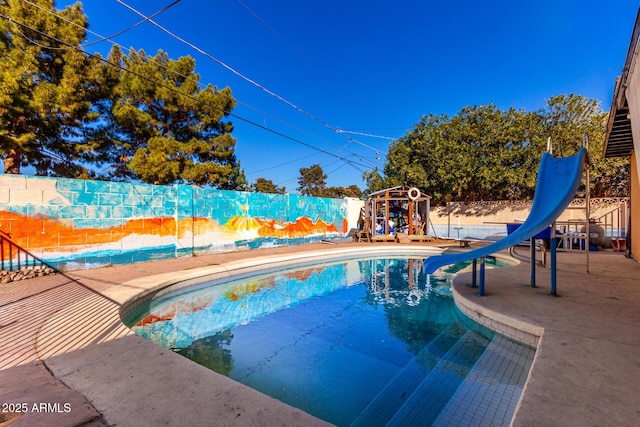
{"x": 285, "y": 182}
{"x": 281, "y": 164}
{"x": 342, "y": 148}
{"x": 295, "y": 23}
{"x": 369, "y": 159}
{"x": 301, "y": 54}
{"x": 165, "y": 86}
{"x": 165, "y": 67}
{"x": 366, "y": 134}
{"x": 101, "y": 37}
{"x": 164, "y": 9}
{"x": 245, "y": 78}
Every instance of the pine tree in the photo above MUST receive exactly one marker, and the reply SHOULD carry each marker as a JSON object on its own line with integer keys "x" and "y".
{"x": 263, "y": 185}
{"x": 48, "y": 85}
{"x": 312, "y": 181}
{"x": 163, "y": 128}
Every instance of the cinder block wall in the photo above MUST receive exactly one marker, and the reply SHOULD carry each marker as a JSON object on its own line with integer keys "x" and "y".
{"x": 78, "y": 224}
{"x": 481, "y": 219}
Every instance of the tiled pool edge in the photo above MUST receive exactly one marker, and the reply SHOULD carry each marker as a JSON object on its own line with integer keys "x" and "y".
{"x": 135, "y": 292}
{"x": 521, "y": 332}
{"x": 517, "y": 330}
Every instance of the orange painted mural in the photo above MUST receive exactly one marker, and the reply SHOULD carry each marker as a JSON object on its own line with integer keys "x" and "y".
{"x": 82, "y": 224}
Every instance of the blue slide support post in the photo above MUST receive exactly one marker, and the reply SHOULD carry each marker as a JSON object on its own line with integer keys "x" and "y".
{"x": 533, "y": 261}
{"x": 557, "y": 183}
{"x": 553, "y": 260}
{"x": 481, "y": 288}
{"x": 473, "y": 273}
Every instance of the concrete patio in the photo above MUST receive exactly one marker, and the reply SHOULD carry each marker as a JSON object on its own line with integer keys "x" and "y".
{"x": 62, "y": 345}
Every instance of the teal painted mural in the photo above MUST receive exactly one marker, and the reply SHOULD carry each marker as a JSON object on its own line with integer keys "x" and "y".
{"x": 78, "y": 224}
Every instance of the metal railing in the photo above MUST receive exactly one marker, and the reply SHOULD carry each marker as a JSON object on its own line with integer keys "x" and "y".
{"x": 614, "y": 221}
{"x": 15, "y": 258}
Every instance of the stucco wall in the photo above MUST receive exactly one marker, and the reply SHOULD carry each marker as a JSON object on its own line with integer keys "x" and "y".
{"x": 635, "y": 212}
{"x": 632, "y": 94}
{"x": 80, "y": 224}
{"x": 354, "y": 207}
{"x": 481, "y": 219}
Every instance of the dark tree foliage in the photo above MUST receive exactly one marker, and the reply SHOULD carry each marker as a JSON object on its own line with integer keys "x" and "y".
{"x": 340, "y": 192}
{"x": 161, "y": 127}
{"x": 567, "y": 118}
{"x": 263, "y": 185}
{"x": 311, "y": 182}
{"x": 483, "y": 153}
{"x": 48, "y": 87}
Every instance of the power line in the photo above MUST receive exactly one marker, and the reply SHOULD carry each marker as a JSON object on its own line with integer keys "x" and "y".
{"x": 245, "y": 78}
{"x": 165, "y": 86}
{"x": 153, "y": 15}
{"x": 284, "y": 183}
{"x": 165, "y": 67}
{"x": 371, "y": 160}
{"x": 301, "y": 54}
{"x": 366, "y": 134}
{"x": 282, "y": 164}
{"x": 101, "y": 37}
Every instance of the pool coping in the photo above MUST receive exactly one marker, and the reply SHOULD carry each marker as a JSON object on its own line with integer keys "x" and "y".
{"x": 135, "y": 292}
{"x": 83, "y": 365}
{"x": 517, "y": 330}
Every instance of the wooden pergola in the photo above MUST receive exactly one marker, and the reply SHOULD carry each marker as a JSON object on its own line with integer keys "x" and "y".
{"x": 398, "y": 212}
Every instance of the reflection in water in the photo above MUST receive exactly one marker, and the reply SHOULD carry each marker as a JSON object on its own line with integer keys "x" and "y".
{"x": 327, "y": 339}
{"x": 177, "y": 319}
{"x": 212, "y": 352}
{"x": 414, "y": 313}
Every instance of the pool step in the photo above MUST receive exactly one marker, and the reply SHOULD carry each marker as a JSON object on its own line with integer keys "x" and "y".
{"x": 498, "y": 376}
{"x": 382, "y": 408}
{"x": 424, "y": 406}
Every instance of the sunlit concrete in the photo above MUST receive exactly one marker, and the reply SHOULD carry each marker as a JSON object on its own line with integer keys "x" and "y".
{"x": 61, "y": 340}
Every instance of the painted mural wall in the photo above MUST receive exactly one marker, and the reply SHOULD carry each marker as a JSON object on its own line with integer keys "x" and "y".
{"x": 77, "y": 224}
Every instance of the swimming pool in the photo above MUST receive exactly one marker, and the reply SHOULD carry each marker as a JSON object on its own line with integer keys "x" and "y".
{"x": 359, "y": 342}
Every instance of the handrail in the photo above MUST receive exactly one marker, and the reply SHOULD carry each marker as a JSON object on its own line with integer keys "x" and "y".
{"x": 14, "y": 257}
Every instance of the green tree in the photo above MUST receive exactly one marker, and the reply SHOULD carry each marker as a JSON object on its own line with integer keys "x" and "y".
{"x": 340, "y": 192}
{"x": 482, "y": 153}
{"x": 373, "y": 180}
{"x": 312, "y": 181}
{"x": 48, "y": 86}
{"x": 263, "y": 185}
{"x": 163, "y": 128}
{"x": 353, "y": 191}
{"x": 567, "y": 119}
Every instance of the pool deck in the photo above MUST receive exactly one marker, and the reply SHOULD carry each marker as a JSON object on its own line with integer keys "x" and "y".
{"x": 62, "y": 345}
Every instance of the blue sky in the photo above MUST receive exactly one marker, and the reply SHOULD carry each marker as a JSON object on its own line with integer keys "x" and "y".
{"x": 361, "y": 73}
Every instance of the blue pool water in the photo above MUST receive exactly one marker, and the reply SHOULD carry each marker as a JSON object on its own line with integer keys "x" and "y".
{"x": 361, "y": 342}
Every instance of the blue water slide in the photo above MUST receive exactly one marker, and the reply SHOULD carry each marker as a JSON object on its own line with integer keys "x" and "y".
{"x": 557, "y": 184}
